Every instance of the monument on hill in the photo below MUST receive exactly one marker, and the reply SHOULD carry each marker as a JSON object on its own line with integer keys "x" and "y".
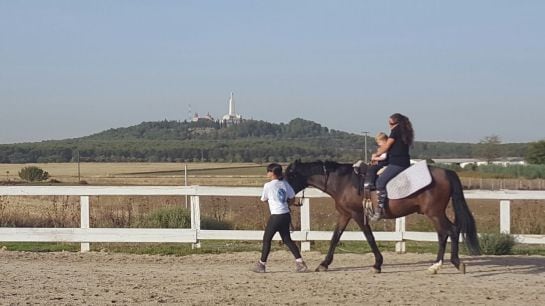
{"x": 232, "y": 117}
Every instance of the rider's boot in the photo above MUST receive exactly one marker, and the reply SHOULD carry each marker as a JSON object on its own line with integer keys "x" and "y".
{"x": 382, "y": 202}
{"x": 369, "y": 182}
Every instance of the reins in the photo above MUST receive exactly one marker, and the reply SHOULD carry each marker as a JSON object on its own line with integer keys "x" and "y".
{"x": 326, "y": 173}
{"x": 292, "y": 228}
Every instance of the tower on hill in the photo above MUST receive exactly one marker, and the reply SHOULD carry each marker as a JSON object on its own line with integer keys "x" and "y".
{"x": 232, "y": 117}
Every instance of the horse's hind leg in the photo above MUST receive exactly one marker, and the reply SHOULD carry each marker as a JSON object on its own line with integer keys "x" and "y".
{"x": 443, "y": 227}
{"x": 454, "y": 247}
{"x": 342, "y": 222}
{"x": 359, "y": 218}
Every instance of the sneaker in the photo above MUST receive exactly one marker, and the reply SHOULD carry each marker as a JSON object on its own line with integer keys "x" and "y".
{"x": 300, "y": 267}
{"x": 259, "y": 268}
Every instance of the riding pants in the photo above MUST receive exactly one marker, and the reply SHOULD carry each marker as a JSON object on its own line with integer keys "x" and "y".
{"x": 280, "y": 224}
{"x": 387, "y": 175}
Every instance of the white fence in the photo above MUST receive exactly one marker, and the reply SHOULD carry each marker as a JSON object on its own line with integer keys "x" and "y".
{"x": 86, "y": 235}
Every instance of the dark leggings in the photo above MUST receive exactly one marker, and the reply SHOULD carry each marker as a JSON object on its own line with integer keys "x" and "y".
{"x": 281, "y": 224}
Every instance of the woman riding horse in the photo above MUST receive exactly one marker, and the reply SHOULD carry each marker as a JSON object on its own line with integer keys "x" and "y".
{"x": 397, "y": 147}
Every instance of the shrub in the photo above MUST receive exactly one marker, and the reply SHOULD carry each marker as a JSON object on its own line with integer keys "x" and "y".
{"x": 178, "y": 217}
{"x": 33, "y": 173}
{"x": 497, "y": 244}
{"x": 172, "y": 217}
{"x": 213, "y": 224}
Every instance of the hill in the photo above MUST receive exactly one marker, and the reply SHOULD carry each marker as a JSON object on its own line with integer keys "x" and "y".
{"x": 249, "y": 141}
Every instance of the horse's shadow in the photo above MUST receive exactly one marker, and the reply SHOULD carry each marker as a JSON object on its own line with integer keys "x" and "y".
{"x": 404, "y": 267}
{"x": 484, "y": 266}
{"x": 507, "y": 263}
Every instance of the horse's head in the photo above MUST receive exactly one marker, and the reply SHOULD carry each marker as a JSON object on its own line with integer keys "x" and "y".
{"x": 317, "y": 174}
{"x": 297, "y": 176}
{"x": 301, "y": 175}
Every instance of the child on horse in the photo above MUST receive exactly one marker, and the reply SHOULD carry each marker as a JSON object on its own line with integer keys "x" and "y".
{"x": 377, "y": 162}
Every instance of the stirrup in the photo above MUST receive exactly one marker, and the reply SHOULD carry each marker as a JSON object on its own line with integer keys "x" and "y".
{"x": 379, "y": 214}
{"x": 370, "y": 187}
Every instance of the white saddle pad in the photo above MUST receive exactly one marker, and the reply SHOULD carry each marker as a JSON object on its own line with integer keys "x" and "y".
{"x": 409, "y": 181}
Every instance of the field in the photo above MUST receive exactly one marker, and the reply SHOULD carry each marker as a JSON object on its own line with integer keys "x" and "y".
{"x": 214, "y": 174}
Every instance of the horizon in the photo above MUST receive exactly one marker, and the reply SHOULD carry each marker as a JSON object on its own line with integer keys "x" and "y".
{"x": 460, "y": 71}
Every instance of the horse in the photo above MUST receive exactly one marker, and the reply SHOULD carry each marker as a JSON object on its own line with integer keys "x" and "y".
{"x": 337, "y": 180}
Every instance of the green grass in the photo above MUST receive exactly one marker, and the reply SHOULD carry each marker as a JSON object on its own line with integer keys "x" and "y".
{"x": 40, "y": 246}
{"x": 222, "y": 246}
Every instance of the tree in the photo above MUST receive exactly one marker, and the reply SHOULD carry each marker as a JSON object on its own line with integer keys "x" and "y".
{"x": 489, "y": 148}
{"x": 33, "y": 173}
{"x": 536, "y": 152}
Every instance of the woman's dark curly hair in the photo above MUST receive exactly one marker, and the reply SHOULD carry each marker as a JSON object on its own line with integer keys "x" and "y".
{"x": 407, "y": 132}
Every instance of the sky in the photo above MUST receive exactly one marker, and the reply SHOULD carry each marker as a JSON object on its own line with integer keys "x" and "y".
{"x": 460, "y": 70}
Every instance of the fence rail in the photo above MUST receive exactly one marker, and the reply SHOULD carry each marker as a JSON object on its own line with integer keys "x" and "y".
{"x": 85, "y": 235}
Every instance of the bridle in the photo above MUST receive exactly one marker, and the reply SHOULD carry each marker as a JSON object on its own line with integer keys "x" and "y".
{"x": 326, "y": 174}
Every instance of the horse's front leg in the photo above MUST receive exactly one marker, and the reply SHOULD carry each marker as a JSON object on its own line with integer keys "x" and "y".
{"x": 342, "y": 222}
{"x": 359, "y": 218}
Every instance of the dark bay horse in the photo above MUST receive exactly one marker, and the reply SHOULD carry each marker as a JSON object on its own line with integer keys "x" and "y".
{"x": 337, "y": 180}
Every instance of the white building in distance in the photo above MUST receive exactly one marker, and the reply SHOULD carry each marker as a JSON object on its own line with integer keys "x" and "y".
{"x": 232, "y": 117}
{"x": 197, "y": 118}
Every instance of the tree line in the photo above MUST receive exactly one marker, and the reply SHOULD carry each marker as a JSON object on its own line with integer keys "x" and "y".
{"x": 249, "y": 141}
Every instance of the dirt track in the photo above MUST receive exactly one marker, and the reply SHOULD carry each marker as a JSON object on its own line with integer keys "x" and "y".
{"x": 101, "y": 278}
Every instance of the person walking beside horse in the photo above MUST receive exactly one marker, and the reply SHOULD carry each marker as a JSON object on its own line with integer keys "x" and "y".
{"x": 278, "y": 193}
{"x": 397, "y": 148}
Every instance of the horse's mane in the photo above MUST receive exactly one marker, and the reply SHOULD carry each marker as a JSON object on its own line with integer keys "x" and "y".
{"x": 340, "y": 168}
{"x": 331, "y": 166}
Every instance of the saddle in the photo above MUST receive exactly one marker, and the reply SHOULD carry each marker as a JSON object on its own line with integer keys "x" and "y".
{"x": 409, "y": 181}
{"x": 402, "y": 185}
{"x": 358, "y": 179}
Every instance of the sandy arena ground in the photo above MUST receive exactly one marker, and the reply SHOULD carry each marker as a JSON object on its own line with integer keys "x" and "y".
{"x": 225, "y": 279}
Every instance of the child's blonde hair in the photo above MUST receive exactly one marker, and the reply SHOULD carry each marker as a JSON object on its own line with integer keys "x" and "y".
{"x": 381, "y": 136}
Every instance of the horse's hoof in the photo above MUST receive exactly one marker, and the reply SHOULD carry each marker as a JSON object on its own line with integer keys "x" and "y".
{"x": 376, "y": 270}
{"x": 435, "y": 267}
{"x": 432, "y": 270}
{"x": 321, "y": 269}
{"x": 462, "y": 268}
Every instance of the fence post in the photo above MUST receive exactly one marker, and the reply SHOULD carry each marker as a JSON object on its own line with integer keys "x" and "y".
{"x": 196, "y": 219}
{"x": 400, "y": 227}
{"x": 305, "y": 224}
{"x": 505, "y": 216}
{"x": 84, "y": 220}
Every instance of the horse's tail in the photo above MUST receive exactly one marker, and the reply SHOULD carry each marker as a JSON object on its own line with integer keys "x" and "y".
{"x": 464, "y": 219}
